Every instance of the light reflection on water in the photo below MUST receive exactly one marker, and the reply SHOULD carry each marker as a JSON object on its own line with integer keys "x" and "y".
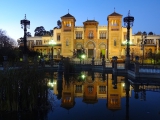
{"x": 99, "y": 96}
{"x": 103, "y": 96}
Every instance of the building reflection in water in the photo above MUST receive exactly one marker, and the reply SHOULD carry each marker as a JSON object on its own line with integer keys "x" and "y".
{"x": 91, "y": 87}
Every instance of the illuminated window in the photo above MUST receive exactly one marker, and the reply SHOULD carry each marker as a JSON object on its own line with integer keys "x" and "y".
{"x": 90, "y": 89}
{"x": 58, "y": 37}
{"x": 78, "y": 89}
{"x": 68, "y": 24}
{"x": 38, "y": 42}
{"x": 102, "y": 35}
{"x": 67, "y": 43}
{"x": 90, "y": 35}
{"x": 102, "y": 89}
{"x": 78, "y": 35}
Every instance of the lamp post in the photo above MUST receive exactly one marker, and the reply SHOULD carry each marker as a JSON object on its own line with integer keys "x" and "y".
{"x": 144, "y": 36}
{"x": 128, "y": 23}
{"x": 25, "y": 24}
{"x": 52, "y": 43}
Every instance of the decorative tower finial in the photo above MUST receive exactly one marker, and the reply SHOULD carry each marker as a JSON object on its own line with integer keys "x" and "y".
{"x": 129, "y": 13}
{"x": 114, "y": 9}
{"x": 68, "y": 11}
{"x": 25, "y": 17}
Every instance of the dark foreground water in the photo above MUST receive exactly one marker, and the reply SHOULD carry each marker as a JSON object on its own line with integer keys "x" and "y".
{"x": 138, "y": 109}
{"x": 97, "y": 96}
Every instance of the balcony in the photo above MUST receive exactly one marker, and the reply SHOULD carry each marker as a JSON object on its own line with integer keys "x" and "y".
{"x": 90, "y": 37}
{"x": 67, "y": 29}
{"x": 78, "y": 37}
{"x": 115, "y": 28}
{"x": 102, "y": 37}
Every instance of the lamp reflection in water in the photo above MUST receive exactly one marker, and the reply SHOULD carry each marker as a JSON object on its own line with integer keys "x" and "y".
{"x": 127, "y": 88}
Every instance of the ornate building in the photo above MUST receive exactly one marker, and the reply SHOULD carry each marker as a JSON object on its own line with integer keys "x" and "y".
{"x": 97, "y": 40}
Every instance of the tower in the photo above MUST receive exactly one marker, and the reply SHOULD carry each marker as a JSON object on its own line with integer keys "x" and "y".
{"x": 90, "y": 37}
{"x": 67, "y": 30}
{"x": 114, "y": 35}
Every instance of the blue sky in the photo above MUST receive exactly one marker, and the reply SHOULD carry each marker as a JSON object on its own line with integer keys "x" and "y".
{"x": 47, "y": 12}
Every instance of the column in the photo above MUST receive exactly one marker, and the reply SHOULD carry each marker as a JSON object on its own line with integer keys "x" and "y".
{"x": 87, "y": 52}
{"x": 95, "y": 53}
{"x": 98, "y": 53}
{"x": 106, "y": 54}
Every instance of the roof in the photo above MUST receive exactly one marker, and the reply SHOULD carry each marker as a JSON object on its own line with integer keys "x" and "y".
{"x": 68, "y": 106}
{"x": 67, "y": 15}
{"x": 138, "y": 33}
{"x": 115, "y": 14}
{"x": 90, "y": 21}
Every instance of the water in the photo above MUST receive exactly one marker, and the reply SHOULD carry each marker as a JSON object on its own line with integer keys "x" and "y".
{"x": 138, "y": 109}
{"x": 97, "y": 96}
{"x": 104, "y": 98}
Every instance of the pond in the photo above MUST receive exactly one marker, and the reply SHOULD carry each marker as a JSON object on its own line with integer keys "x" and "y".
{"x": 97, "y": 96}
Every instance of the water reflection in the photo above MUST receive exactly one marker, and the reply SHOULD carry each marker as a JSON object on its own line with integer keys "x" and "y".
{"x": 95, "y": 86}
{"x": 91, "y": 88}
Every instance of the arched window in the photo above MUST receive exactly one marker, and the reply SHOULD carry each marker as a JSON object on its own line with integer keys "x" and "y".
{"x": 67, "y": 42}
{"x": 114, "y": 42}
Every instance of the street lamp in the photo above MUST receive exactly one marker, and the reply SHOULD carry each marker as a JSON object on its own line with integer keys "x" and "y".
{"x": 144, "y": 36}
{"x": 128, "y": 23}
{"x": 52, "y": 43}
{"x": 25, "y": 24}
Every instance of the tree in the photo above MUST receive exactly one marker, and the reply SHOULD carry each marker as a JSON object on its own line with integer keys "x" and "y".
{"x": 51, "y": 31}
{"x": 59, "y": 24}
{"x": 6, "y": 41}
{"x": 29, "y": 34}
{"x": 39, "y": 31}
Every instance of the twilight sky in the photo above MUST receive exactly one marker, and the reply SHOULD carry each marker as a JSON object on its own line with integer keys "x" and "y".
{"x": 47, "y": 12}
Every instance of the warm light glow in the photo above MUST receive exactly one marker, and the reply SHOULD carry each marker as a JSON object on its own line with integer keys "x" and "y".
{"x": 83, "y": 76}
{"x": 52, "y": 42}
{"x": 51, "y": 84}
{"x": 83, "y": 56}
{"x": 21, "y": 59}
{"x": 125, "y": 42}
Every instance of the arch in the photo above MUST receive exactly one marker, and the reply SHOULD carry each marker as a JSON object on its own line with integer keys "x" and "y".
{"x": 89, "y": 41}
{"x": 79, "y": 46}
{"x": 102, "y": 46}
{"x": 102, "y": 50}
{"x": 91, "y": 51}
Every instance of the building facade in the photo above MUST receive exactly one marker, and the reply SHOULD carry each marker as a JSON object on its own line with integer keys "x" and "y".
{"x": 97, "y": 41}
